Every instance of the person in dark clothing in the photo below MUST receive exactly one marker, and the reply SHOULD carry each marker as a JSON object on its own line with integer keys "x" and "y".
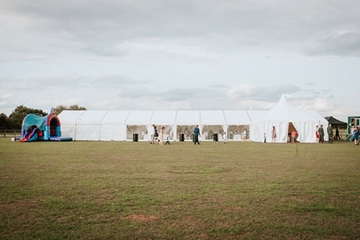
{"x": 330, "y": 133}
{"x": 156, "y": 136}
{"x": 321, "y": 134}
{"x": 196, "y": 135}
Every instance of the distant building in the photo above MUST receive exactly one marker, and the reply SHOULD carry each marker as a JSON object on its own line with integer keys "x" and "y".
{"x": 353, "y": 121}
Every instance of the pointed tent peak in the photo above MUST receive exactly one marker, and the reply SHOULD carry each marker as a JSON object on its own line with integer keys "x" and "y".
{"x": 283, "y": 104}
{"x": 283, "y": 99}
{"x": 283, "y": 111}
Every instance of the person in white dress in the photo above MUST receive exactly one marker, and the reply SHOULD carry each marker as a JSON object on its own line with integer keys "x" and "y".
{"x": 151, "y": 134}
{"x": 243, "y": 136}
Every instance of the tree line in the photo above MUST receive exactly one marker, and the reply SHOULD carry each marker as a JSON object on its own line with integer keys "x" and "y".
{"x": 14, "y": 120}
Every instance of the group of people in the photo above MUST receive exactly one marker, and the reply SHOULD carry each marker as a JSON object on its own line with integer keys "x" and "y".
{"x": 155, "y": 137}
{"x": 197, "y": 135}
{"x": 293, "y": 136}
{"x": 319, "y": 133}
{"x": 158, "y": 138}
{"x": 273, "y": 135}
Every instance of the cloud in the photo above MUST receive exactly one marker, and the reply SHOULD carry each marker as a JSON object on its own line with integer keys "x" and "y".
{"x": 97, "y": 30}
{"x": 6, "y": 95}
{"x": 322, "y": 104}
{"x": 261, "y": 93}
{"x": 336, "y": 44}
{"x": 181, "y": 94}
{"x": 178, "y": 54}
{"x": 106, "y": 51}
{"x": 68, "y": 82}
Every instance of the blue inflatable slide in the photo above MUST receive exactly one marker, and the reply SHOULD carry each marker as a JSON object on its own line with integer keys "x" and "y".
{"x": 35, "y": 128}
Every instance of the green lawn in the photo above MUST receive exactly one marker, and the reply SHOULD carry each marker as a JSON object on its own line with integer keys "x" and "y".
{"x": 134, "y": 190}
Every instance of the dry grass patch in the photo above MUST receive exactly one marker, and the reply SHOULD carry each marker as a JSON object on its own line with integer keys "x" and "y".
{"x": 142, "y": 218}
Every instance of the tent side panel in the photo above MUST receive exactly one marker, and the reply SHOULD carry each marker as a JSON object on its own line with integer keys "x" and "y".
{"x": 208, "y": 132}
{"x": 281, "y": 131}
{"x": 141, "y": 130}
{"x": 114, "y": 132}
{"x": 88, "y": 132}
{"x": 68, "y": 130}
{"x": 306, "y": 131}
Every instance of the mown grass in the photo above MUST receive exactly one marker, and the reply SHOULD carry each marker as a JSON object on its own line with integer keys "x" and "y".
{"x": 127, "y": 190}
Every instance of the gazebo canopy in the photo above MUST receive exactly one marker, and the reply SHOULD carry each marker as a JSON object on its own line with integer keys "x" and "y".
{"x": 335, "y": 122}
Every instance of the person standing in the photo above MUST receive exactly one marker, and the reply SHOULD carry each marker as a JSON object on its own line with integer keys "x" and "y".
{"x": 161, "y": 136}
{"x": 156, "y": 136}
{"x": 356, "y": 136}
{"x": 167, "y": 140}
{"x": 337, "y": 135}
{"x": 196, "y": 135}
{"x": 151, "y": 134}
{"x": 321, "y": 134}
{"x": 317, "y": 134}
{"x": 273, "y": 134}
{"x": 264, "y": 137}
{"x": 243, "y": 136}
{"x": 293, "y": 136}
{"x": 225, "y": 137}
{"x": 330, "y": 133}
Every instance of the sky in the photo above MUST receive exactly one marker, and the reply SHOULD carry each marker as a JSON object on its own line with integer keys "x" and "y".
{"x": 180, "y": 55}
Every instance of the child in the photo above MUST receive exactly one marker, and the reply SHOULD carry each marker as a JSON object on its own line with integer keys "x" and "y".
{"x": 225, "y": 137}
{"x": 264, "y": 137}
{"x": 167, "y": 140}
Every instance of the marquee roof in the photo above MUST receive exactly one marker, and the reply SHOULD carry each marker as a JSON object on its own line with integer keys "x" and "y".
{"x": 281, "y": 112}
{"x": 284, "y": 112}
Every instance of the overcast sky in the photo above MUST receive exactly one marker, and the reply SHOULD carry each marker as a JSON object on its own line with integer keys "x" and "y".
{"x": 180, "y": 54}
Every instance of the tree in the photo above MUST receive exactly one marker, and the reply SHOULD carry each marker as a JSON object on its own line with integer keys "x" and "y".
{"x": 61, "y": 108}
{"x": 4, "y": 121}
{"x": 20, "y": 112}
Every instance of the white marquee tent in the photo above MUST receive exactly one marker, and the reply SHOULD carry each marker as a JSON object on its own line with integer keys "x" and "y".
{"x": 212, "y": 123}
{"x": 165, "y": 119}
{"x": 123, "y": 125}
{"x": 68, "y": 123}
{"x": 237, "y": 121}
{"x": 286, "y": 118}
{"x": 186, "y": 121}
{"x": 113, "y": 126}
{"x": 138, "y": 123}
{"x": 88, "y": 125}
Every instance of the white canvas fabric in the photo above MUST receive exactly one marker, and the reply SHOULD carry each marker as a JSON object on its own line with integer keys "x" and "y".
{"x": 88, "y": 125}
{"x": 212, "y": 123}
{"x": 236, "y": 122}
{"x": 122, "y": 125}
{"x": 165, "y": 119}
{"x": 280, "y": 116}
{"x": 186, "y": 121}
{"x": 113, "y": 126}
{"x": 256, "y": 132}
{"x": 68, "y": 120}
{"x": 138, "y": 122}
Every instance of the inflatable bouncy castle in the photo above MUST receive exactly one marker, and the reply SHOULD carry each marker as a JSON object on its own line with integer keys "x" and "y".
{"x": 35, "y": 128}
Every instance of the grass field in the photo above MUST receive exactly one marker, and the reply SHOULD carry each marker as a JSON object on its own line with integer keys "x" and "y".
{"x": 134, "y": 190}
